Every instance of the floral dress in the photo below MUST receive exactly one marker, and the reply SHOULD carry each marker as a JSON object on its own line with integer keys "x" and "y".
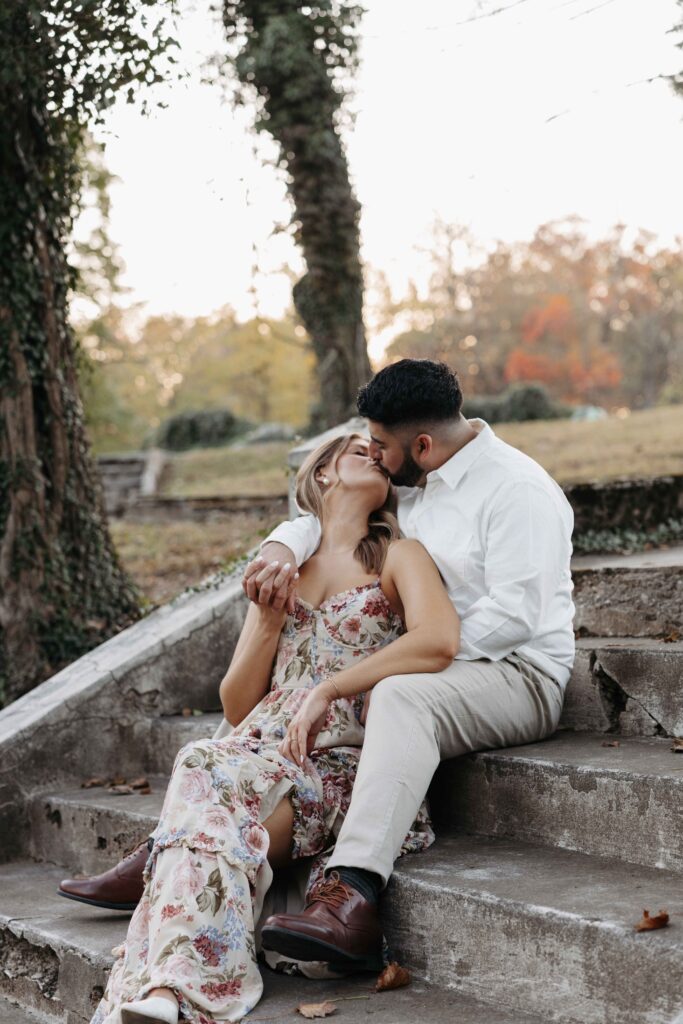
{"x": 194, "y": 930}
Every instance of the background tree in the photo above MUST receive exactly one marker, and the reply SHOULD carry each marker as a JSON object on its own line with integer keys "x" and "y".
{"x": 296, "y": 61}
{"x": 62, "y": 62}
{"x": 593, "y": 321}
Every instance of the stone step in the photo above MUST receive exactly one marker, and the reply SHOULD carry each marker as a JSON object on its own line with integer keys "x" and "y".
{"x": 630, "y": 687}
{"x": 629, "y": 595}
{"x": 545, "y": 930}
{"x": 171, "y": 732}
{"x": 57, "y": 954}
{"x": 572, "y": 792}
{"x": 568, "y": 791}
{"x": 626, "y": 686}
{"x": 89, "y": 830}
{"x": 12, "y": 1013}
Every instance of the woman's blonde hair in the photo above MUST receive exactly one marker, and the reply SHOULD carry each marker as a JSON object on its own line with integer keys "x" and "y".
{"x": 382, "y": 523}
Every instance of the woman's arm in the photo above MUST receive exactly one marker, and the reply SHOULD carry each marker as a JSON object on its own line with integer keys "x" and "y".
{"x": 429, "y": 645}
{"x": 246, "y": 681}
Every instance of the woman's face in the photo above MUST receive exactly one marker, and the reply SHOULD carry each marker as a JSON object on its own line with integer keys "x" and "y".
{"x": 354, "y": 469}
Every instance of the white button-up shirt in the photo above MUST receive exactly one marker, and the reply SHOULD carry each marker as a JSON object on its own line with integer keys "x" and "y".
{"x": 499, "y": 530}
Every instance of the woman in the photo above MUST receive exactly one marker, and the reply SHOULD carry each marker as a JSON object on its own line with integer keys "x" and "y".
{"x": 276, "y": 789}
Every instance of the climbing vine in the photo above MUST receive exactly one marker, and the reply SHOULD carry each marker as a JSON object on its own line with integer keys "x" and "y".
{"x": 62, "y": 64}
{"x": 295, "y": 61}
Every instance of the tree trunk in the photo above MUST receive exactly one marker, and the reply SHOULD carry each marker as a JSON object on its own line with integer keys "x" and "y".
{"x": 289, "y": 54}
{"x": 62, "y": 589}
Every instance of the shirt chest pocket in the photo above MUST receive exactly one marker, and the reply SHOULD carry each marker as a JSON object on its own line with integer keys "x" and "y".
{"x": 457, "y": 568}
{"x": 463, "y": 569}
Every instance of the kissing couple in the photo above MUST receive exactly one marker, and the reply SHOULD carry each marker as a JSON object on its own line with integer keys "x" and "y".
{"x": 419, "y": 609}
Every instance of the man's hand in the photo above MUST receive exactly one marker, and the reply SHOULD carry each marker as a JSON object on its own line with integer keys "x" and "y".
{"x": 271, "y": 577}
{"x": 303, "y": 730}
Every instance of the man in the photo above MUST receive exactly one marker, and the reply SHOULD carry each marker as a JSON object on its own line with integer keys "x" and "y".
{"x": 499, "y": 529}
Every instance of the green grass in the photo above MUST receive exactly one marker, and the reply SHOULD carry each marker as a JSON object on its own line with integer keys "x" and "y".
{"x": 205, "y": 472}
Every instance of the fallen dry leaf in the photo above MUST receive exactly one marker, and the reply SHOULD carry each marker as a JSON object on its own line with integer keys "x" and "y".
{"x": 610, "y": 743}
{"x": 648, "y": 924}
{"x": 120, "y": 790}
{"x": 118, "y": 780}
{"x": 677, "y": 745}
{"x": 144, "y": 790}
{"x": 673, "y": 637}
{"x": 312, "y": 1010}
{"x": 393, "y": 976}
{"x": 140, "y": 783}
{"x": 92, "y": 783}
{"x": 187, "y": 712}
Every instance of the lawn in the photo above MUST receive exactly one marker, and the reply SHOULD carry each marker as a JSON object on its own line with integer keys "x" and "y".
{"x": 203, "y": 472}
{"x": 164, "y": 558}
{"x": 644, "y": 444}
{"x": 648, "y": 443}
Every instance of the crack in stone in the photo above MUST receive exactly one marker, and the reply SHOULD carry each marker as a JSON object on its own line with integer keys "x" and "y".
{"x": 614, "y": 698}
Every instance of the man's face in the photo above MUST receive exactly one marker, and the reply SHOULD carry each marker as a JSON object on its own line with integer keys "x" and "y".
{"x": 394, "y": 456}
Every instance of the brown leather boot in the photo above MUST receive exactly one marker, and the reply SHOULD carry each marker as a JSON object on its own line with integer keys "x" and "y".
{"x": 337, "y": 926}
{"x": 120, "y": 888}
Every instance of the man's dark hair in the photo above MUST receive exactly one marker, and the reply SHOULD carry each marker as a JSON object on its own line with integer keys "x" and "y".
{"x": 411, "y": 391}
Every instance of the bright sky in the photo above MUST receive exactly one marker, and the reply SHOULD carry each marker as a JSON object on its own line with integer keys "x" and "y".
{"x": 501, "y": 123}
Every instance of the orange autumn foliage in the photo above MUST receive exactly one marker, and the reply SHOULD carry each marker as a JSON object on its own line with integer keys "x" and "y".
{"x": 553, "y": 352}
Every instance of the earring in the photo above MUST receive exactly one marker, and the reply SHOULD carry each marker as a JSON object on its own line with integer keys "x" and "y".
{"x": 325, "y": 479}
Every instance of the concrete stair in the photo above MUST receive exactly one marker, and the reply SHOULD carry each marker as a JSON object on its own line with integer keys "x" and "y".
{"x": 56, "y": 954}
{"x": 524, "y": 908}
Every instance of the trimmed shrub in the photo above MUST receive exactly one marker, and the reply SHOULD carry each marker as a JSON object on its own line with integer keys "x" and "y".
{"x": 200, "y": 428}
{"x": 520, "y": 402}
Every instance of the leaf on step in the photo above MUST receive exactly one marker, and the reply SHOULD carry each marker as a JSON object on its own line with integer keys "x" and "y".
{"x": 648, "y": 924}
{"x": 144, "y": 790}
{"x": 610, "y": 743}
{"x": 121, "y": 790}
{"x": 393, "y": 976}
{"x": 140, "y": 783}
{"x": 312, "y": 1010}
{"x": 92, "y": 783}
{"x": 673, "y": 637}
{"x": 677, "y": 745}
{"x": 187, "y": 712}
{"x": 118, "y": 780}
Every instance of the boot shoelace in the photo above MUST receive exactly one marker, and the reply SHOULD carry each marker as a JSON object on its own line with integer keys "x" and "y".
{"x": 331, "y": 890}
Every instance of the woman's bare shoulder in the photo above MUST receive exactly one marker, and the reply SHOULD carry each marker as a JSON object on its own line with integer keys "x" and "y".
{"x": 404, "y": 549}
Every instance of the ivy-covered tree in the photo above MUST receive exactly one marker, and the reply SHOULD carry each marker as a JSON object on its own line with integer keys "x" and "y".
{"x": 296, "y": 59}
{"x": 62, "y": 63}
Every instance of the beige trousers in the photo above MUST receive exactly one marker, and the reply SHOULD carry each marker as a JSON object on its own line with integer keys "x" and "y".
{"x": 415, "y": 721}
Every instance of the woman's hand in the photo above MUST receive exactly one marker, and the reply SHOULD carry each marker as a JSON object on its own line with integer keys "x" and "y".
{"x": 304, "y": 727}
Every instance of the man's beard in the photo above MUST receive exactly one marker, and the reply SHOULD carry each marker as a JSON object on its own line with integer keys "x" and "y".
{"x": 408, "y": 473}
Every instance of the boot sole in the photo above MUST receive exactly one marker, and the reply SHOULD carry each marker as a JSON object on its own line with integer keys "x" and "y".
{"x": 301, "y": 947}
{"x": 97, "y": 903}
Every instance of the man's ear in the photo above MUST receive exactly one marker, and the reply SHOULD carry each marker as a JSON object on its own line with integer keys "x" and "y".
{"x": 422, "y": 446}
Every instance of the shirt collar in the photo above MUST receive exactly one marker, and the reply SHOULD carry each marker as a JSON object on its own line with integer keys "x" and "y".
{"x": 454, "y": 469}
